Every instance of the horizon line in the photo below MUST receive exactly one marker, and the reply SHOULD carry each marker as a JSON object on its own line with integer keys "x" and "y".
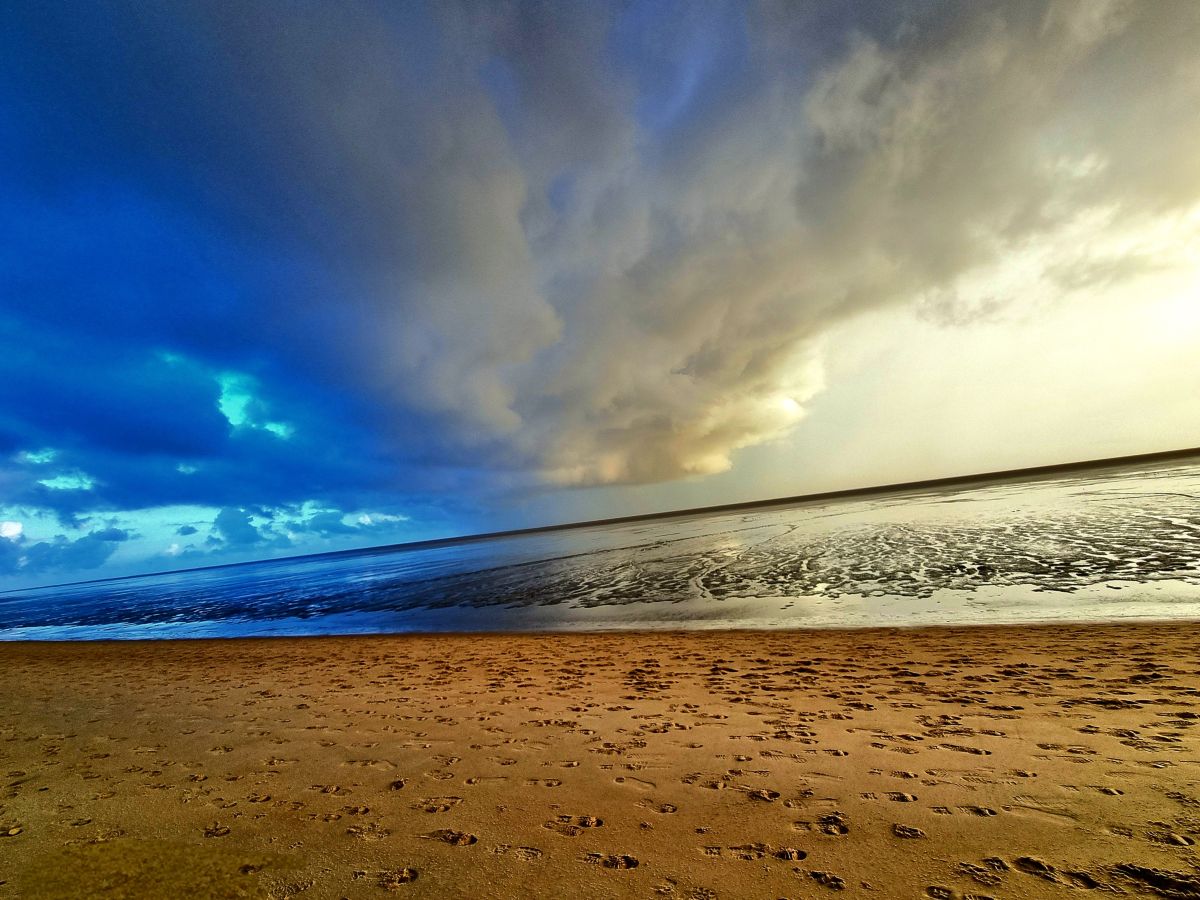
{"x": 945, "y": 481}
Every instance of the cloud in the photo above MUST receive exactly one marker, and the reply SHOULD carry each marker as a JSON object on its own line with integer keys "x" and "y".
{"x": 233, "y": 526}
{"x": 326, "y": 522}
{"x": 379, "y": 519}
{"x": 112, "y": 533}
{"x": 20, "y": 556}
{"x": 236, "y": 530}
{"x": 11, "y": 530}
{"x": 330, "y": 522}
{"x": 895, "y": 174}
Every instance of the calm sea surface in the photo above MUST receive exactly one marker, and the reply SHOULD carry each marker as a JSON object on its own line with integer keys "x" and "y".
{"x": 1113, "y": 544}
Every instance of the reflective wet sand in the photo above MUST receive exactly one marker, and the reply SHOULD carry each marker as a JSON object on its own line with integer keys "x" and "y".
{"x": 1110, "y": 544}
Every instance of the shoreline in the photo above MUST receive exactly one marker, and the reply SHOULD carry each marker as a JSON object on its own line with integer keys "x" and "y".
{"x": 931, "y": 761}
{"x": 619, "y": 630}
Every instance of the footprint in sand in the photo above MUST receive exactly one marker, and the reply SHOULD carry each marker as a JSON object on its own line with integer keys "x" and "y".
{"x": 1169, "y": 838}
{"x": 612, "y": 861}
{"x": 750, "y": 852}
{"x": 983, "y": 811}
{"x": 572, "y": 826}
{"x": 583, "y": 821}
{"x": 790, "y": 853}
{"x": 329, "y": 789}
{"x": 962, "y": 748}
{"x": 987, "y": 874}
{"x": 393, "y": 879}
{"x": 829, "y": 880}
{"x": 371, "y": 831}
{"x": 564, "y": 828}
{"x": 369, "y": 763}
{"x": 1031, "y": 865}
{"x": 480, "y": 779}
{"x": 1163, "y": 882}
{"x": 526, "y": 854}
{"x": 834, "y": 823}
{"x": 437, "y": 804}
{"x": 452, "y": 837}
{"x": 763, "y": 794}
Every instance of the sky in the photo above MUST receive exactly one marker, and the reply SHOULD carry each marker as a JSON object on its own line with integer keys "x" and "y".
{"x": 287, "y": 277}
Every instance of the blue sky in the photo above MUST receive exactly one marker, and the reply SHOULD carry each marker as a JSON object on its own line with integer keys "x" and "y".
{"x": 282, "y": 278}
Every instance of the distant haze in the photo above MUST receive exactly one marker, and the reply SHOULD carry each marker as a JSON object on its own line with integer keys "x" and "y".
{"x": 282, "y": 278}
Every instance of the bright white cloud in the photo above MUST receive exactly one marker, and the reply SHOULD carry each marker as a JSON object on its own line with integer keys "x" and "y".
{"x": 377, "y": 518}
{"x": 241, "y": 406}
{"x": 69, "y": 481}
{"x": 11, "y": 530}
{"x": 39, "y": 457}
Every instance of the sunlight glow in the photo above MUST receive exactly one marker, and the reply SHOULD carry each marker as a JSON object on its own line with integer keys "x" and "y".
{"x": 1180, "y": 315}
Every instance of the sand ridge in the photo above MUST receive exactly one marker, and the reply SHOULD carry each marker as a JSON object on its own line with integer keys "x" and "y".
{"x": 947, "y": 763}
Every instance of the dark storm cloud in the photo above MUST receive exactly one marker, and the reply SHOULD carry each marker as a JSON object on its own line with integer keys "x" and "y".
{"x": 234, "y": 527}
{"x": 326, "y": 523}
{"x": 60, "y": 554}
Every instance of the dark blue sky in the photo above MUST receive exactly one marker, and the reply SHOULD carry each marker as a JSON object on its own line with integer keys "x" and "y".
{"x": 285, "y": 277}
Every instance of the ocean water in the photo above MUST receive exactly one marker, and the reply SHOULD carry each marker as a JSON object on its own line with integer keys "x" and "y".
{"x": 1111, "y": 544}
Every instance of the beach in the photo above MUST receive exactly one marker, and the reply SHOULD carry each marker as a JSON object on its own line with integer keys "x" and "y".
{"x": 1008, "y": 761}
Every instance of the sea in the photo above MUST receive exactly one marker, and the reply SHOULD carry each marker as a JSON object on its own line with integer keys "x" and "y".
{"x": 1119, "y": 543}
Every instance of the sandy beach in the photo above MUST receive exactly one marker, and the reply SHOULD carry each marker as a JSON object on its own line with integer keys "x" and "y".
{"x": 947, "y": 763}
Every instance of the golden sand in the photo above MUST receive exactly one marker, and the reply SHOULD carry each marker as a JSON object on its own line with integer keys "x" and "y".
{"x": 974, "y": 762}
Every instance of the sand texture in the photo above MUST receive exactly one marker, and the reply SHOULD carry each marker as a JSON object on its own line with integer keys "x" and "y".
{"x": 1054, "y": 761}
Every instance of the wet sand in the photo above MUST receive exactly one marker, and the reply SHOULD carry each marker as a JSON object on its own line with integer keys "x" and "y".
{"x": 977, "y": 762}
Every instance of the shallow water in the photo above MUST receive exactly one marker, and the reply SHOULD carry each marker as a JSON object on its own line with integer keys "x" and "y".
{"x": 1111, "y": 544}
